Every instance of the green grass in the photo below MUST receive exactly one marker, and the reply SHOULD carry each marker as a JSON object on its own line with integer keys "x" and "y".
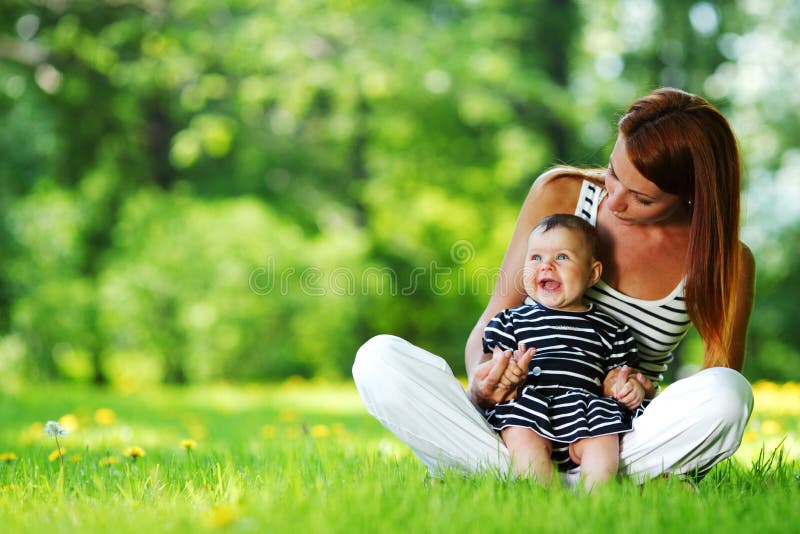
{"x": 306, "y": 458}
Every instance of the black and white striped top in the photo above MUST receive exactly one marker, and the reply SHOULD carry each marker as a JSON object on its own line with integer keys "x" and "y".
{"x": 657, "y": 325}
{"x": 574, "y": 349}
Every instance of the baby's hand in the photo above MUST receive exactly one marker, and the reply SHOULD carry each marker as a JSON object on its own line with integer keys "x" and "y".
{"x": 631, "y": 394}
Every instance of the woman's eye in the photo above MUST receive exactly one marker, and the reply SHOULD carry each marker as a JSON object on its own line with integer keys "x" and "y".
{"x": 644, "y": 202}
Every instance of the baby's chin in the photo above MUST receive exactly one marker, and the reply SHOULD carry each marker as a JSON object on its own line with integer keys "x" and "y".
{"x": 558, "y": 301}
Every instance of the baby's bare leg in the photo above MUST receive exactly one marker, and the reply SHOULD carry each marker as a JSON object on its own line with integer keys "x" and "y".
{"x": 598, "y": 458}
{"x": 530, "y": 453}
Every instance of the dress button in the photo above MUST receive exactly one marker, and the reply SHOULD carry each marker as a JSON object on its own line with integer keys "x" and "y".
{"x": 597, "y": 381}
{"x": 536, "y": 371}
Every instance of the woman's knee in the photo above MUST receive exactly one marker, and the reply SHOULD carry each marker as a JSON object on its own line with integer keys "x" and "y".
{"x": 732, "y": 394}
{"x": 371, "y": 356}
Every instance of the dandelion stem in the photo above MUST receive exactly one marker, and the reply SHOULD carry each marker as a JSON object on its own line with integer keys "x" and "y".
{"x": 60, "y": 455}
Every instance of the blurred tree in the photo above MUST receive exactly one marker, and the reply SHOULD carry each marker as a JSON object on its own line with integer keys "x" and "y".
{"x": 242, "y": 189}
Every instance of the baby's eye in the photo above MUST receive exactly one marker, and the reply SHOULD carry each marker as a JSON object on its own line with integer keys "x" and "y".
{"x": 536, "y": 257}
{"x": 561, "y": 256}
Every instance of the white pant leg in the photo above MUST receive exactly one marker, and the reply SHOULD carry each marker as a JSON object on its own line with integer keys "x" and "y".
{"x": 414, "y": 394}
{"x": 692, "y": 425}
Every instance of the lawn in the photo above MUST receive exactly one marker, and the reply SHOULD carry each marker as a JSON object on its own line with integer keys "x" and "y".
{"x": 304, "y": 456}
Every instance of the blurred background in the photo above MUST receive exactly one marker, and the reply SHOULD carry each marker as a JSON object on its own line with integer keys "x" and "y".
{"x": 246, "y": 190}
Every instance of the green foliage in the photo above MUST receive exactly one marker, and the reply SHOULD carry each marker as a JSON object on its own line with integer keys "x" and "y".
{"x": 244, "y": 189}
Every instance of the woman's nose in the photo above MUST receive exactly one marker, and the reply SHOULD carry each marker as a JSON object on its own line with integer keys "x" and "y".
{"x": 615, "y": 202}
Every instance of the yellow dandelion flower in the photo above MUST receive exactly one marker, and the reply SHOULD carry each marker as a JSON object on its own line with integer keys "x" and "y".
{"x": 69, "y": 422}
{"x": 222, "y": 516}
{"x": 765, "y": 385}
{"x": 134, "y": 452}
{"x": 295, "y": 381}
{"x": 198, "y": 431}
{"x": 104, "y": 416}
{"x": 320, "y": 431}
{"x": 792, "y": 388}
{"x": 56, "y": 454}
{"x": 770, "y": 426}
{"x": 268, "y": 431}
{"x": 8, "y": 487}
{"x": 75, "y": 458}
{"x": 338, "y": 430}
{"x": 188, "y": 444}
{"x": 7, "y": 457}
{"x": 32, "y": 433}
{"x": 288, "y": 416}
{"x": 750, "y": 435}
{"x": 108, "y": 461}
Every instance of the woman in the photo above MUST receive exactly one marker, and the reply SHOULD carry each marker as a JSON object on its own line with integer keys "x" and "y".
{"x": 667, "y": 216}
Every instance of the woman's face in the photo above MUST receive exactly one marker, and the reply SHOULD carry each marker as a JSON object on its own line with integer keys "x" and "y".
{"x": 633, "y": 199}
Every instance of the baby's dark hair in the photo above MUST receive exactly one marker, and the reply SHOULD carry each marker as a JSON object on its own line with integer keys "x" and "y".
{"x": 571, "y": 222}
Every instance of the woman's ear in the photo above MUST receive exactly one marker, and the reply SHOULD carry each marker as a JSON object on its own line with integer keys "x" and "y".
{"x": 594, "y": 274}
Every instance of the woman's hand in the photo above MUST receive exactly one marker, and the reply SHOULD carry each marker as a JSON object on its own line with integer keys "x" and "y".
{"x": 496, "y": 380}
{"x": 616, "y": 383}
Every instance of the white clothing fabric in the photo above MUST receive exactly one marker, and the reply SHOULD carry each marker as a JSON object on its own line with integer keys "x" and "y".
{"x": 688, "y": 428}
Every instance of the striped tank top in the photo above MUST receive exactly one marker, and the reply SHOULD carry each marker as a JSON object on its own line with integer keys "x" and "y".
{"x": 657, "y": 325}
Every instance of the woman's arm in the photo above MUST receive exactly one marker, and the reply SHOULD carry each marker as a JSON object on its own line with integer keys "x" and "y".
{"x": 553, "y": 192}
{"x": 745, "y": 291}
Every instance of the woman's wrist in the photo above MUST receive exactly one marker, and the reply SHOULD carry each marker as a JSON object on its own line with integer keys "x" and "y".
{"x": 473, "y": 396}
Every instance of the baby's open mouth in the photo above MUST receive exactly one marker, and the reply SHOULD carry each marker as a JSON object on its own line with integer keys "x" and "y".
{"x": 549, "y": 285}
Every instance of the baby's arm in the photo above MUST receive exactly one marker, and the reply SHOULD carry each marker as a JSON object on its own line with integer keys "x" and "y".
{"x": 499, "y": 333}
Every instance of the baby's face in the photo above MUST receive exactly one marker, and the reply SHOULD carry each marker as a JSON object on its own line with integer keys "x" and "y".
{"x": 558, "y": 268}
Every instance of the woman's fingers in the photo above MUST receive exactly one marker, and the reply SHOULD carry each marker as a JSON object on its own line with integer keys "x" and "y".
{"x": 500, "y": 359}
{"x": 646, "y": 383}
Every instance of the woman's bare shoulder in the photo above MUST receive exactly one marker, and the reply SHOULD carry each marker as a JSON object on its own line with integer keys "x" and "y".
{"x": 557, "y": 189}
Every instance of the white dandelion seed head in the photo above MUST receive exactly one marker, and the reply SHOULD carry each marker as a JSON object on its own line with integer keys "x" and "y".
{"x": 54, "y": 430}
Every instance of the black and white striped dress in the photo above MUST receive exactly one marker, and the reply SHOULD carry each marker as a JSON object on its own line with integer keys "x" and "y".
{"x": 561, "y": 398}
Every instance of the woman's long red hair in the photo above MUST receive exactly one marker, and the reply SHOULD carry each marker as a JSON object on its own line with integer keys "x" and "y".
{"x": 686, "y": 147}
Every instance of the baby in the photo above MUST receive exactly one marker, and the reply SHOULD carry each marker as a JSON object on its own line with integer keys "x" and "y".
{"x": 561, "y": 400}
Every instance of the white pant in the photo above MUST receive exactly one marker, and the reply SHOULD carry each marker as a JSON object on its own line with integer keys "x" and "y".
{"x": 690, "y": 426}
